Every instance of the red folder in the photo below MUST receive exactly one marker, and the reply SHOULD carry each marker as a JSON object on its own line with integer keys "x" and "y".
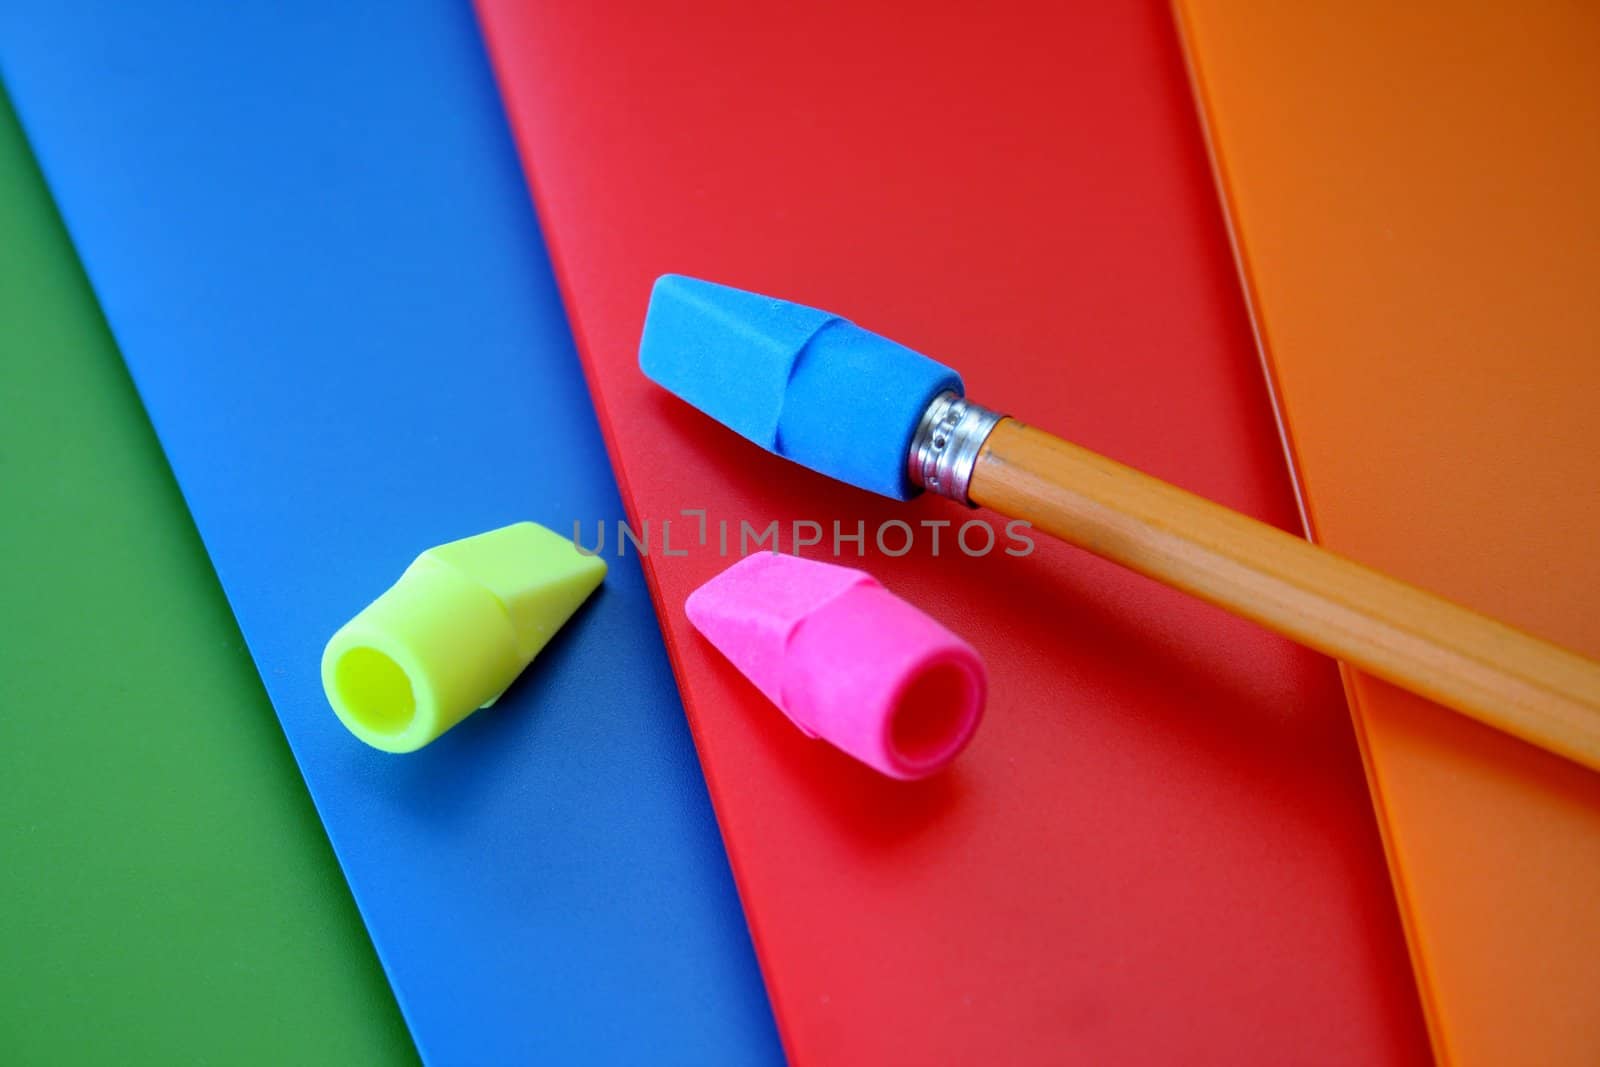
{"x": 1159, "y": 847}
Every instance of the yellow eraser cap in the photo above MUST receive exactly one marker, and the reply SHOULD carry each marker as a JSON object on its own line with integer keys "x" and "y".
{"x": 456, "y": 629}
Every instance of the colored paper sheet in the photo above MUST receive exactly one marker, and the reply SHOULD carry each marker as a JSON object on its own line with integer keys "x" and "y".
{"x": 307, "y": 230}
{"x": 162, "y": 860}
{"x": 1413, "y": 198}
{"x": 1159, "y": 847}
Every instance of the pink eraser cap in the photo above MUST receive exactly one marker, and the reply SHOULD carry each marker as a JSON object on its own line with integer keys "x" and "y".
{"x": 846, "y": 660}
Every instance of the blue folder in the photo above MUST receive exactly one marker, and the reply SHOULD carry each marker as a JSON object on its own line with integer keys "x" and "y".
{"x": 307, "y": 229}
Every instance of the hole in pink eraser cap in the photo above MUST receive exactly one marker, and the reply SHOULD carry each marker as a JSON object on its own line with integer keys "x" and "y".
{"x": 935, "y": 715}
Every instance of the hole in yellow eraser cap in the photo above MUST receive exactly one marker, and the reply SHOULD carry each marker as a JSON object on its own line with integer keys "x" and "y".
{"x": 374, "y": 690}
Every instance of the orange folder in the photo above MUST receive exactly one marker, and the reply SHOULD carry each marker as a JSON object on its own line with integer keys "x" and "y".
{"x": 1415, "y": 204}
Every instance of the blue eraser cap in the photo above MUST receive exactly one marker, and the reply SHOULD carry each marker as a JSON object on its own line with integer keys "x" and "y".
{"x": 799, "y": 382}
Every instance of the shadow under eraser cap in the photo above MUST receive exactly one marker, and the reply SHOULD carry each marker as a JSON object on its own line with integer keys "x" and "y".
{"x": 805, "y": 384}
{"x": 846, "y": 660}
{"x": 458, "y": 627}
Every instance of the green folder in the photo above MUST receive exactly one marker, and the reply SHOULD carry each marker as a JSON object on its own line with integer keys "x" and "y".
{"x": 166, "y": 891}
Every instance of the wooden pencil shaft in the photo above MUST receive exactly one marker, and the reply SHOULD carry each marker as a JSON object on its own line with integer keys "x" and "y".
{"x": 1498, "y": 675}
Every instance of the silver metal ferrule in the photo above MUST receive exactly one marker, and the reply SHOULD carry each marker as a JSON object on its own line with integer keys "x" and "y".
{"x": 945, "y": 447}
